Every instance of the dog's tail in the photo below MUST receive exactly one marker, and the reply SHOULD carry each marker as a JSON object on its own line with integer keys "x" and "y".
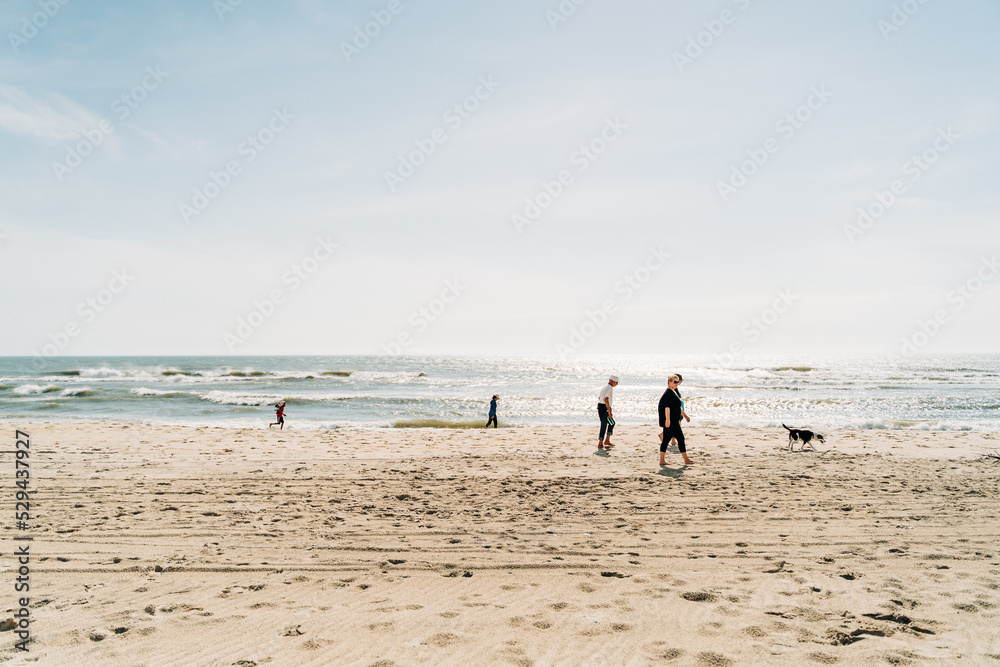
{"x": 785, "y": 426}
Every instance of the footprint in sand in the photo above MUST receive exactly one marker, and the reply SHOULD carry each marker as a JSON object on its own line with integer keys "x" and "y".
{"x": 98, "y": 634}
{"x": 711, "y": 659}
{"x": 520, "y": 661}
{"x": 699, "y": 596}
{"x": 728, "y": 611}
{"x": 713, "y": 629}
{"x": 661, "y": 652}
{"x": 778, "y": 626}
{"x": 442, "y": 639}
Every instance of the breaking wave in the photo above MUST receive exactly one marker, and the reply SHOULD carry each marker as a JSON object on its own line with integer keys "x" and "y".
{"x": 78, "y": 391}
{"x": 27, "y": 389}
{"x": 146, "y": 391}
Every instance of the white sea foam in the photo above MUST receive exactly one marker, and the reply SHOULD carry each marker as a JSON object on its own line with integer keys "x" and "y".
{"x": 103, "y": 372}
{"x": 77, "y": 391}
{"x": 27, "y": 389}
{"x": 229, "y": 398}
{"x": 146, "y": 391}
{"x": 242, "y": 398}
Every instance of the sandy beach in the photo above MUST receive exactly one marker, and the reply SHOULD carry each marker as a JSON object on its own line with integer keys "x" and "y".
{"x": 168, "y": 545}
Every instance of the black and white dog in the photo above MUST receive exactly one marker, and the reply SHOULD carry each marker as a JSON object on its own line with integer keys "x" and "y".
{"x": 805, "y": 436}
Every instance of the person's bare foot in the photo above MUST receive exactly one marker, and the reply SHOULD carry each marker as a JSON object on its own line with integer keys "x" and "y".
{"x": 600, "y": 445}
{"x": 688, "y": 462}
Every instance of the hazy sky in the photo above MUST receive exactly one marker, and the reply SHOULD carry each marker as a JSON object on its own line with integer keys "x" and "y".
{"x": 169, "y": 168}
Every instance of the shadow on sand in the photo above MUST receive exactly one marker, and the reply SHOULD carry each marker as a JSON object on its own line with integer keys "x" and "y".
{"x": 666, "y": 471}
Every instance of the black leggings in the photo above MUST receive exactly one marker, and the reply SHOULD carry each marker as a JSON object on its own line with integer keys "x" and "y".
{"x": 670, "y": 432}
{"x": 602, "y": 412}
{"x": 492, "y": 420}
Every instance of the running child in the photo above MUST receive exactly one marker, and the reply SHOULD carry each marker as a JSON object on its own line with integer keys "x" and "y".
{"x": 279, "y": 412}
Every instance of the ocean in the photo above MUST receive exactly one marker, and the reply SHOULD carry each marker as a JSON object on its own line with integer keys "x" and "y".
{"x": 946, "y": 392}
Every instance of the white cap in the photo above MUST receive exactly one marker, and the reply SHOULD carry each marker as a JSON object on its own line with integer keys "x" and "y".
{"x": 614, "y": 378}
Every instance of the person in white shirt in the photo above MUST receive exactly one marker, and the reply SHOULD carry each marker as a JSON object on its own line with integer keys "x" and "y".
{"x": 606, "y": 414}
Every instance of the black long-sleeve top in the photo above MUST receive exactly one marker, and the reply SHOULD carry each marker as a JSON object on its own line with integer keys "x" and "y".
{"x": 671, "y": 400}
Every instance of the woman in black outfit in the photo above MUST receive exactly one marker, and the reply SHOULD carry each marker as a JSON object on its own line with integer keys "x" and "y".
{"x": 671, "y": 411}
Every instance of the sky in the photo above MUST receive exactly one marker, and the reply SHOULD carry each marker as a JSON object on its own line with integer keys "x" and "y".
{"x": 725, "y": 177}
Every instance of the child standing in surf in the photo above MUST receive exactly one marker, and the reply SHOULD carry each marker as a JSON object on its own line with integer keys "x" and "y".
{"x": 279, "y": 413}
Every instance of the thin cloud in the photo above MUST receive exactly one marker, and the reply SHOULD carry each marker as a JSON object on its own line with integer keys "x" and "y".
{"x": 54, "y": 118}
{"x": 155, "y": 139}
